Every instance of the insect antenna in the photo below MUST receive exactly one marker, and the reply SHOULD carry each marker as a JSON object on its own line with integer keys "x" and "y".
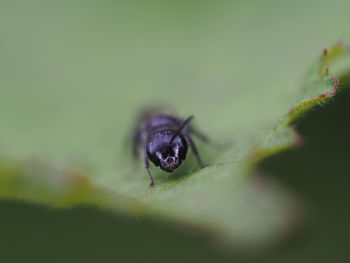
{"x": 185, "y": 122}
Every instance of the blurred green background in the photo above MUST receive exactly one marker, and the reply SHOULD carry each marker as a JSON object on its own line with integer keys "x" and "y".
{"x": 75, "y": 73}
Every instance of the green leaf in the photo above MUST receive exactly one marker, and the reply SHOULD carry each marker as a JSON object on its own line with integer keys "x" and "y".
{"x": 73, "y": 79}
{"x": 318, "y": 172}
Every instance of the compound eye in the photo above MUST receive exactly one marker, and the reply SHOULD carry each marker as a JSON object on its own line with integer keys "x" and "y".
{"x": 176, "y": 150}
{"x": 161, "y": 156}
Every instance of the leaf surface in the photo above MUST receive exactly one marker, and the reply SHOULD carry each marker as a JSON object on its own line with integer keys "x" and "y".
{"x": 75, "y": 74}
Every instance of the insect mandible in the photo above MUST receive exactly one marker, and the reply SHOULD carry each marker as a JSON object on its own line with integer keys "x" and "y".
{"x": 164, "y": 139}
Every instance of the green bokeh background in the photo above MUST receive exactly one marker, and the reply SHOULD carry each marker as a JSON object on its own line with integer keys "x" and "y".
{"x": 74, "y": 74}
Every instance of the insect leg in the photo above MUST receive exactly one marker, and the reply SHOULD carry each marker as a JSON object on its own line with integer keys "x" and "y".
{"x": 195, "y": 151}
{"x": 146, "y": 162}
{"x": 204, "y": 138}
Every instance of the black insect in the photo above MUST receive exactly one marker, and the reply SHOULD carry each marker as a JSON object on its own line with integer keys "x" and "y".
{"x": 165, "y": 139}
